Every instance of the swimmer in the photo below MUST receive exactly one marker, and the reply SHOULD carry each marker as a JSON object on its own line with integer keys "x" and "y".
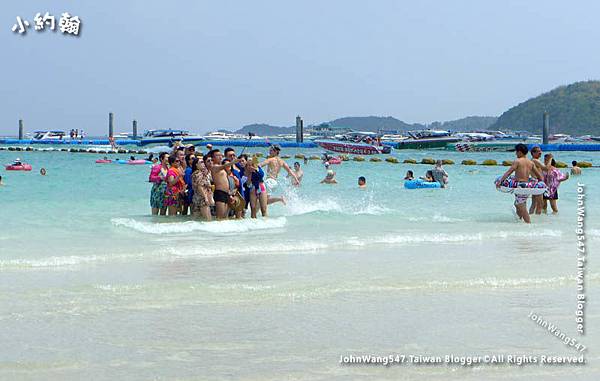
{"x": 409, "y": 175}
{"x": 362, "y": 182}
{"x": 1, "y": 183}
{"x": 221, "y": 180}
{"x": 17, "y": 162}
{"x": 428, "y": 176}
{"x": 43, "y": 171}
{"x": 329, "y": 178}
{"x": 537, "y": 201}
{"x": 299, "y": 173}
{"x": 439, "y": 174}
{"x": 274, "y": 164}
{"x": 522, "y": 167}
{"x": 575, "y": 170}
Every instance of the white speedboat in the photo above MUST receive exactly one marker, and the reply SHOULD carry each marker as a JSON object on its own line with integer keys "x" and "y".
{"x": 393, "y": 138}
{"x": 168, "y": 137}
{"x": 219, "y": 135}
{"x": 53, "y": 135}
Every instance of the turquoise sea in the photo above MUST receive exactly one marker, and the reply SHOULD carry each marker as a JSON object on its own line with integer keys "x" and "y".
{"x": 93, "y": 287}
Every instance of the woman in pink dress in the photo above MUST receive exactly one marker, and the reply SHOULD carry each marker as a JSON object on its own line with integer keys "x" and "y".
{"x": 553, "y": 177}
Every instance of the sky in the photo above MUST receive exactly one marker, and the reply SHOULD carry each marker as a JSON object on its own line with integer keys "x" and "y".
{"x": 206, "y": 65}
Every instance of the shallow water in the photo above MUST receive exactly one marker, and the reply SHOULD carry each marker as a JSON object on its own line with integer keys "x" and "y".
{"x": 95, "y": 287}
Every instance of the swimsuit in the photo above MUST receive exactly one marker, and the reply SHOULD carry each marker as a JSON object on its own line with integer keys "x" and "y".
{"x": 552, "y": 179}
{"x": 172, "y": 192}
{"x": 201, "y": 181}
{"x": 190, "y": 190}
{"x": 159, "y": 186}
{"x": 521, "y": 198}
{"x": 221, "y": 196}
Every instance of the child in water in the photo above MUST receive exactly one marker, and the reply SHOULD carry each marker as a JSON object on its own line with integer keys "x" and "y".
{"x": 522, "y": 167}
{"x": 409, "y": 175}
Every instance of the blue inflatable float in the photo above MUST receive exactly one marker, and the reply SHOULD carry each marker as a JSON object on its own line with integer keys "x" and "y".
{"x": 420, "y": 184}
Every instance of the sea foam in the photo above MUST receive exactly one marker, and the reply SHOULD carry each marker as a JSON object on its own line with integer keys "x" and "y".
{"x": 228, "y": 226}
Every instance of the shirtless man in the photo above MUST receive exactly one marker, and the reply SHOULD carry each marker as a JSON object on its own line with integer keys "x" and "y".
{"x": 298, "y": 171}
{"x": 537, "y": 201}
{"x": 522, "y": 167}
{"x": 274, "y": 164}
{"x": 221, "y": 181}
{"x": 575, "y": 170}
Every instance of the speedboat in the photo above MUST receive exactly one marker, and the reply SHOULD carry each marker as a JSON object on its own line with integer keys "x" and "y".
{"x": 123, "y": 136}
{"x": 168, "y": 137}
{"x": 44, "y": 135}
{"x": 427, "y": 139}
{"x": 220, "y": 135}
{"x": 475, "y": 136}
{"x": 394, "y": 138}
{"x": 358, "y": 143}
{"x": 559, "y": 137}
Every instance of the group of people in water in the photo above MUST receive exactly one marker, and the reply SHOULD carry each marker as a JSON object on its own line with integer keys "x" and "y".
{"x": 525, "y": 170}
{"x": 220, "y": 185}
{"x": 217, "y": 185}
{"x": 436, "y": 175}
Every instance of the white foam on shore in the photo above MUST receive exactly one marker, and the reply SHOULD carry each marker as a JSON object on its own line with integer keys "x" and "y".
{"x": 248, "y": 249}
{"x": 449, "y": 238}
{"x": 228, "y": 226}
{"x": 435, "y": 218}
{"x": 65, "y": 261}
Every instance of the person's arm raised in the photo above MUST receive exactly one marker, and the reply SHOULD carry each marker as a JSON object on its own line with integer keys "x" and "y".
{"x": 219, "y": 167}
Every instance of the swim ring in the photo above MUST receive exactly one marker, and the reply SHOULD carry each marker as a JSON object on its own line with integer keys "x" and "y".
{"x": 335, "y": 160}
{"x": 138, "y": 162}
{"x": 22, "y": 167}
{"x": 102, "y": 161}
{"x": 532, "y": 187}
{"x": 421, "y": 184}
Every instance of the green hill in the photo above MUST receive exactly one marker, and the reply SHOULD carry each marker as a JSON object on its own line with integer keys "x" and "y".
{"x": 574, "y": 109}
{"x": 263, "y": 129}
{"x": 374, "y": 123}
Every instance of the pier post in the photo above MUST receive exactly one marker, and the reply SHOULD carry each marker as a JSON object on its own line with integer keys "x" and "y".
{"x": 110, "y": 125}
{"x": 546, "y": 128}
{"x": 135, "y": 129}
{"x": 21, "y": 129}
{"x": 299, "y": 129}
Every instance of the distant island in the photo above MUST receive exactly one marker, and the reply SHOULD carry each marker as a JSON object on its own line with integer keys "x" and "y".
{"x": 574, "y": 109}
{"x": 375, "y": 124}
